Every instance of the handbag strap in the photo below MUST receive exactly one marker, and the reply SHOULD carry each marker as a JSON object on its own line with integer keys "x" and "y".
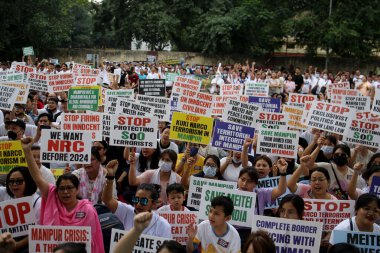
{"x": 336, "y": 178}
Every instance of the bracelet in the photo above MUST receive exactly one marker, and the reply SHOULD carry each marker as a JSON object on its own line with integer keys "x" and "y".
{"x": 110, "y": 177}
{"x": 282, "y": 174}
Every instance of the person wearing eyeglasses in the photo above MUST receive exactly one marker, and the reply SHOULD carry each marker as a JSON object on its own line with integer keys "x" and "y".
{"x": 60, "y": 205}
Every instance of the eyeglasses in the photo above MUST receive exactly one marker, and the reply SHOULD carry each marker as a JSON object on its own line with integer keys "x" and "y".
{"x": 142, "y": 201}
{"x": 66, "y": 188}
{"x": 16, "y": 181}
{"x": 318, "y": 179}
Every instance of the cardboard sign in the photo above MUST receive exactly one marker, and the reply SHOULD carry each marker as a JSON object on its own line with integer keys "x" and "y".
{"x": 290, "y": 235}
{"x": 179, "y": 222}
{"x": 195, "y": 102}
{"x": 161, "y": 106}
{"x": 8, "y": 96}
{"x": 24, "y": 69}
{"x": 23, "y": 91}
{"x": 87, "y": 72}
{"x": 11, "y": 155}
{"x": 196, "y": 187}
{"x": 186, "y": 83}
{"x": 16, "y": 216}
{"x": 14, "y": 77}
{"x": 330, "y": 212}
{"x": 272, "y": 182}
{"x": 360, "y": 103}
{"x": 363, "y": 133}
{"x": 131, "y": 107}
{"x": 256, "y": 89}
{"x": 231, "y": 89}
{"x": 191, "y": 128}
{"x": 299, "y": 100}
{"x": 244, "y": 204}
{"x": 86, "y": 80}
{"x": 231, "y": 136}
{"x": 133, "y": 131}
{"x": 240, "y": 113}
{"x": 220, "y": 103}
{"x": 120, "y": 93}
{"x": 145, "y": 243}
{"x": 337, "y": 94}
{"x": 45, "y": 239}
{"x": 271, "y": 120}
{"x": 268, "y": 104}
{"x": 61, "y": 146}
{"x": 376, "y": 102}
{"x": 83, "y": 122}
{"x": 342, "y": 85}
{"x": 367, "y": 116}
{"x": 84, "y": 98}
{"x": 294, "y": 117}
{"x": 37, "y": 82}
{"x": 26, "y": 51}
{"x": 106, "y": 123}
{"x": 375, "y": 186}
{"x": 365, "y": 241}
{"x": 330, "y": 117}
{"x": 152, "y": 87}
{"x": 60, "y": 82}
{"x": 278, "y": 142}
{"x": 77, "y": 67}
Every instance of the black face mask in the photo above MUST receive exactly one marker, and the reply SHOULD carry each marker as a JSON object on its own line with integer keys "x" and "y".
{"x": 12, "y": 135}
{"x": 340, "y": 160}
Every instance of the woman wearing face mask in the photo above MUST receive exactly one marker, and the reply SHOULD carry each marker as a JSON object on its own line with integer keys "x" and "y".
{"x": 163, "y": 176}
{"x": 233, "y": 164}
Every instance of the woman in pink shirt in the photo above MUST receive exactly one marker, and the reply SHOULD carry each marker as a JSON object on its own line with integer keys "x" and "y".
{"x": 60, "y": 206}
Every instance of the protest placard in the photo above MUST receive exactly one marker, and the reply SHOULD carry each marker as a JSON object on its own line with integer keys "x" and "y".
{"x": 363, "y": 133}
{"x": 86, "y": 80}
{"x": 294, "y": 117}
{"x": 244, "y": 204}
{"x": 111, "y": 100}
{"x": 24, "y": 69}
{"x": 57, "y": 172}
{"x": 232, "y": 89}
{"x": 77, "y": 67}
{"x": 196, "y": 185}
{"x": 277, "y": 142}
{"x": 256, "y": 89}
{"x": 268, "y": 104}
{"x": 11, "y": 155}
{"x": 14, "y": 77}
{"x": 231, "y": 136}
{"x": 367, "y": 116}
{"x": 83, "y": 122}
{"x": 195, "y": 102}
{"x": 171, "y": 76}
{"x": 330, "y": 117}
{"x": 337, "y": 94}
{"x": 45, "y": 239}
{"x": 84, "y": 98}
{"x": 220, "y": 103}
{"x": 145, "y": 243}
{"x": 360, "y": 103}
{"x": 3, "y": 76}
{"x": 290, "y": 235}
{"x": 375, "y": 186}
{"x": 61, "y": 146}
{"x": 181, "y": 82}
{"x": 376, "y": 102}
{"x": 120, "y": 93}
{"x": 342, "y": 85}
{"x": 329, "y": 212}
{"x": 161, "y": 106}
{"x": 133, "y": 131}
{"x": 367, "y": 242}
{"x": 26, "y": 51}
{"x": 240, "y": 112}
{"x": 38, "y": 81}
{"x": 23, "y": 91}
{"x": 132, "y": 107}
{"x": 271, "y": 120}
{"x": 298, "y": 100}
{"x": 305, "y": 112}
{"x": 272, "y": 182}
{"x": 152, "y": 87}
{"x": 16, "y": 216}
{"x": 191, "y": 128}
{"x": 179, "y": 222}
{"x": 60, "y": 82}
{"x": 8, "y": 96}
{"x": 87, "y": 72}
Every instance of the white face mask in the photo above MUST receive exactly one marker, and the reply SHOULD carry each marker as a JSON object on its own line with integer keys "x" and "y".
{"x": 327, "y": 149}
{"x": 209, "y": 171}
{"x": 235, "y": 160}
{"x": 165, "y": 166}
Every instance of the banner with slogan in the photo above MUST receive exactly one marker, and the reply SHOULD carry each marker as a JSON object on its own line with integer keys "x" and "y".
{"x": 337, "y": 94}
{"x": 152, "y": 87}
{"x": 161, "y": 106}
{"x": 179, "y": 222}
{"x": 38, "y": 81}
{"x": 268, "y": 104}
{"x": 17, "y": 215}
{"x": 290, "y": 235}
{"x": 376, "y": 102}
{"x": 191, "y": 128}
{"x": 244, "y": 204}
{"x": 106, "y": 123}
{"x": 277, "y": 142}
{"x": 231, "y": 136}
{"x": 24, "y": 69}
{"x": 45, "y": 239}
{"x": 272, "y": 182}
{"x": 365, "y": 241}
{"x": 23, "y": 91}
{"x": 131, "y": 107}
{"x": 181, "y": 82}
{"x": 256, "y": 89}
{"x": 375, "y": 186}
{"x": 367, "y": 116}
{"x": 77, "y": 67}
{"x": 231, "y": 89}
{"x": 60, "y": 82}
{"x": 111, "y": 102}
{"x": 220, "y": 103}
{"x": 271, "y": 120}
{"x": 11, "y": 155}
{"x": 193, "y": 102}
{"x": 84, "y": 98}
{"x": 294, "y": 117}
{"x": 360, "y": 103}
{"x": 240, "y": 113}
{"x": 133, "y": 131}
{"x": 26, "y": 51}
{"x": 363, "y": 133}
{"x": 330, "y": 117}
{"x": 330, "y": 212}
{"x": 73, "y": 147}
{"x": 8, "y": 96}
{"x": 14, "y": 77}
{"x": 86, "y": 80}
{"x": 342, "y": 85}
{"x": 145, "y": 243}
{"x": 13, "y": 65}
{"x": 196, "y": 187}
{"x": 299, "y": 100}
{"x": 87, "y": 72}
{"x": 83, "y": 122}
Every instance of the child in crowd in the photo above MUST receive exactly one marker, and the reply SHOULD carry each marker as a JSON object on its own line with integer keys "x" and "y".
{"x": 176, "y": 195}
